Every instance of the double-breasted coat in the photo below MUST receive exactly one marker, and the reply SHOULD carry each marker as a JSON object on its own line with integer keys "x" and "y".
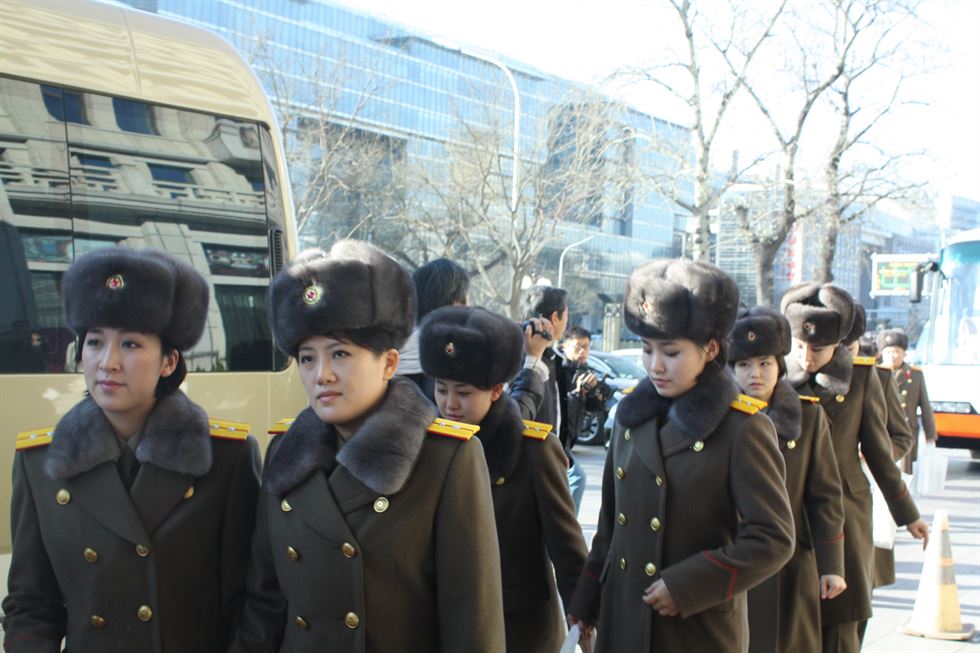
{"x": 914, "y": 399}
{"x": 692, "y": 493}
{"x": 384, "y": 543}
{"x": 784, "y": 611}
{"x": 536, "y": 527}
{"x": 852, "y": 397}
{"x": 158, "y": 569}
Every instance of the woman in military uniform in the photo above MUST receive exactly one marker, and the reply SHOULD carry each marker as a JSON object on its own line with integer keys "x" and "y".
{"x": 131, "y": 520}
{"x": 760, "y": 340}
{"x": 375, "y": 528}
{"x": 819, "y": 365}
{"x": 470, "y": 353}
{"x": 911, "y": 383}
{"x": 694, "y": 508}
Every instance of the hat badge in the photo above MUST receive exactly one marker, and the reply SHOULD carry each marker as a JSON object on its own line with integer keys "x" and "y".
{"x": 751, "y": 336}
{"x": 115, "y": 282}
{"x": 311, "y": 295}
{"x": 808, "y": 327}
{"x": 451, "y": 350}
{"x": 645, "y": 308}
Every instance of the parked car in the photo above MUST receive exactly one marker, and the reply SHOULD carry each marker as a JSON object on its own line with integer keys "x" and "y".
{"x": 621, "y": 375}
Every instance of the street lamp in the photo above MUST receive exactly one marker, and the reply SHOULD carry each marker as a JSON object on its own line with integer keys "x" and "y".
{"x": 516, "y": 173}
{"x": 561, "y": 259}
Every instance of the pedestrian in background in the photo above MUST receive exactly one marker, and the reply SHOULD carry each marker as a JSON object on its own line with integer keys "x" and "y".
{"x": 470, "y": 353}
{"x": 375, "y": 528}
{"x": 131, "y": 521}
{"x": 784, "y": 611}
{"x": 694, "y": 507}
{"x": 820, "y": 317}
{"x": 892, "y": 346}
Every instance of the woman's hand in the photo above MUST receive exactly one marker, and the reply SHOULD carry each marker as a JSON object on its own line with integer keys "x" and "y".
{"x": 831, "y": 585}
{"x": 919, "y": 529}
{"x": 658, "y": 597}
{"x": 584, "y": 629}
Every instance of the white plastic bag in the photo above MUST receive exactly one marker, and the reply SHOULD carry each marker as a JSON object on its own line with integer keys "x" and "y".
{"x": 571, "y": 641}
{"x": 929, "y": 471}
{"x": 883, "y": 527}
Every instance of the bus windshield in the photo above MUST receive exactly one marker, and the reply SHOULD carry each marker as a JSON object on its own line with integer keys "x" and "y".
{"x": 954, "y": 334}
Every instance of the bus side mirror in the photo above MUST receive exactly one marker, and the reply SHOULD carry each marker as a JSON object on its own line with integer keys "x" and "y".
{"x": 915, "y": 288}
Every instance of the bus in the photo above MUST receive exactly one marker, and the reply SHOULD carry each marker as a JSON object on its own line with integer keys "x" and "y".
{"x": 120, "y": 127}
{"x": 949, "y": 347}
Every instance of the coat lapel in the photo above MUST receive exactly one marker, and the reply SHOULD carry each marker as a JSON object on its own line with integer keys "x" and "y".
{"x": 349, "y": 493}
{"x": 157, "y": 492}
{"x": 646, "y": 446}
{"x": 316, "y": 505}
{"x": 101, "y": 492}
{"x": 673, "y": 440}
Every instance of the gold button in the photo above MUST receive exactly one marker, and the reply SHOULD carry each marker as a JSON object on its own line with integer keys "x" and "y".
{"x": 620, "y": 473}
{"x": 903, "y": 404}
{"x": 622, "y": 519}
{"x": 189, "y": 493}
{"x": 285, "y": 506}
{"x": 90, "y": 555}
{"x": 698, "y": 446}
{"x": 660, "y": 480}
{"x": 301, "y": 622}
{"x": 97, "y": 620}
{"x": 626, "y": 435}
{"x": 380, "y": 504}
{"x": 905, "y": 392}
{"x": 144, "y": 613}
{"x": 142, "y": 550}
{"x": 791, "y": 444}
{"x": 650, "y": 568}
{"x": 655, "y": 524}
{"x": 839, "y": 399}
{"x": 348, "y": 550}
{"x": 292, "y": 553}
{"x": 499, "y": 481}
{"x": 351, "y": 620}
{"x": 622, "y": 564}
{"x": 63, "y": 497}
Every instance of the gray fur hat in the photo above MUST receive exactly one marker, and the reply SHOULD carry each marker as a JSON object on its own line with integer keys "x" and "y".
{"x": 820, "y": 314}
{"x": 470, "y": 345}
{"x": 353, "y": 286}
{"x": 143, "y": 290}
{"x": 759, "y": 331}
{"x": 859, "y": 325}
{"x": 892, "y": 338}
{"x": 678, "y": 298}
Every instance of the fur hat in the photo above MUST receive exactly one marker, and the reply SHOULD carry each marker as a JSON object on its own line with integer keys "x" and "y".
{"x": 678, "y": 298}
{"x": 470, "y": 345}
{"x": 143, "y": 290}
{"x": 859, "y": 326}
{"x": 353, "y": 286}
{"x": 820, "y": 314}
{"x": 892, "y": 338}
{"x": 759, "y": 331}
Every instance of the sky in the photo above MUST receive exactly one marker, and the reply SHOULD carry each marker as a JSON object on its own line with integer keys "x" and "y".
{"x": 587, "y": 40}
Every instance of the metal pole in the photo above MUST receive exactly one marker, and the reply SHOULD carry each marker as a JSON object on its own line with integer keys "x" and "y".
{"x": 561, "y": 259}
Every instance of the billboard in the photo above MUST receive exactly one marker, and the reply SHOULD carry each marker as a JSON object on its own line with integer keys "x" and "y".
{"x": 891, "y": 274}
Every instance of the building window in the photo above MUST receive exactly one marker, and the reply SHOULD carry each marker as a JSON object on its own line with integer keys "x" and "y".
{"x": 133, "y": 116}
{"x": 64, "y": 105}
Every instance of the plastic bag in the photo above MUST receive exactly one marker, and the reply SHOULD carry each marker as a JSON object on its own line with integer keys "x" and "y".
{"x": 571, "y": 641}
{"x": 883, "y": 527}
{"x": 929, "y": 471}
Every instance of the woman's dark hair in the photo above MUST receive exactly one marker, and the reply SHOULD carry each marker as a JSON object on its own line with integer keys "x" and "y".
{"x": 543, "y": 301}
{"x": 375, "y": 339}
{"x": 780, "y": 364}
{"x": 167, "y": 385}
{"x": 439, "y": 283}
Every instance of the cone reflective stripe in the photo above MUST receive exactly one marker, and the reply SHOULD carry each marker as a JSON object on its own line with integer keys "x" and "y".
{"x": 936, "y": 613}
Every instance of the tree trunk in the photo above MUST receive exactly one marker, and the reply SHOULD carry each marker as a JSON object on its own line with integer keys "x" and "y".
{"x": 828, "y": 248}
{"x": 765, "y": 253}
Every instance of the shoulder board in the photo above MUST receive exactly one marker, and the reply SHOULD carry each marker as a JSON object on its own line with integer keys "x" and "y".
{"x": 451, "y": 429}
{"x": 748, "y": 404}
{"x": 35, "y": 438}
{"x": 228, "y": 430}
{"x": 863, "y": 360}
{"x": 810, "y": 398}
{"x": 536, "y": 430}
{"x": 281, "y": 426}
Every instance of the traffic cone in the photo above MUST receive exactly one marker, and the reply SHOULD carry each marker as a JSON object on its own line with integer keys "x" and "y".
{"x": 936, "y": 613}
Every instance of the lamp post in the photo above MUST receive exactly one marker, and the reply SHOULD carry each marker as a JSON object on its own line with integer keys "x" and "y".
{"x": 516, "y": 172}
{"x": 561, "y": 259}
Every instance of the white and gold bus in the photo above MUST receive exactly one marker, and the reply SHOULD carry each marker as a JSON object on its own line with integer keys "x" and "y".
{"x": 122, "y": 127}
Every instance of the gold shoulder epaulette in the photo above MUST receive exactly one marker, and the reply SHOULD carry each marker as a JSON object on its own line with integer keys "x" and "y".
{"x": 452, "y": 429}
{"x": 536, "y": 430}
{"x": 748, "y": 404}
{"x": 864, "y": 360}
{"x": 281, "y": 426}
{"x": 810, "y": 398}
{"x": 229, "y": 430}
{"x": 35, "y": 438}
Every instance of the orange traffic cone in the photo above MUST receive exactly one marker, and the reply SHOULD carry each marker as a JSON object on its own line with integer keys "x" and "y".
{"x": 936, "y": 613}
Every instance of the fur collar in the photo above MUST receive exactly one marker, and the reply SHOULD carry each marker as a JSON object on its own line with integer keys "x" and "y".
{"x": 785, "y": 410}
{"x": 176, "y": 438}
{"x": 501, "y": 434}
{"x": 835, "y": 376}
{"x": 697, "y": 412}
{"x": 381, "y": 454}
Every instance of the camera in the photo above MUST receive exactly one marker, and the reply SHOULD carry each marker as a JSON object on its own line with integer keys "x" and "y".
{"x": 534, "y": 330}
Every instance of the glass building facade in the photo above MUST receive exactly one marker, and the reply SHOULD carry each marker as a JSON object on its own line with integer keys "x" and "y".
{"x": 419, "y": 97}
